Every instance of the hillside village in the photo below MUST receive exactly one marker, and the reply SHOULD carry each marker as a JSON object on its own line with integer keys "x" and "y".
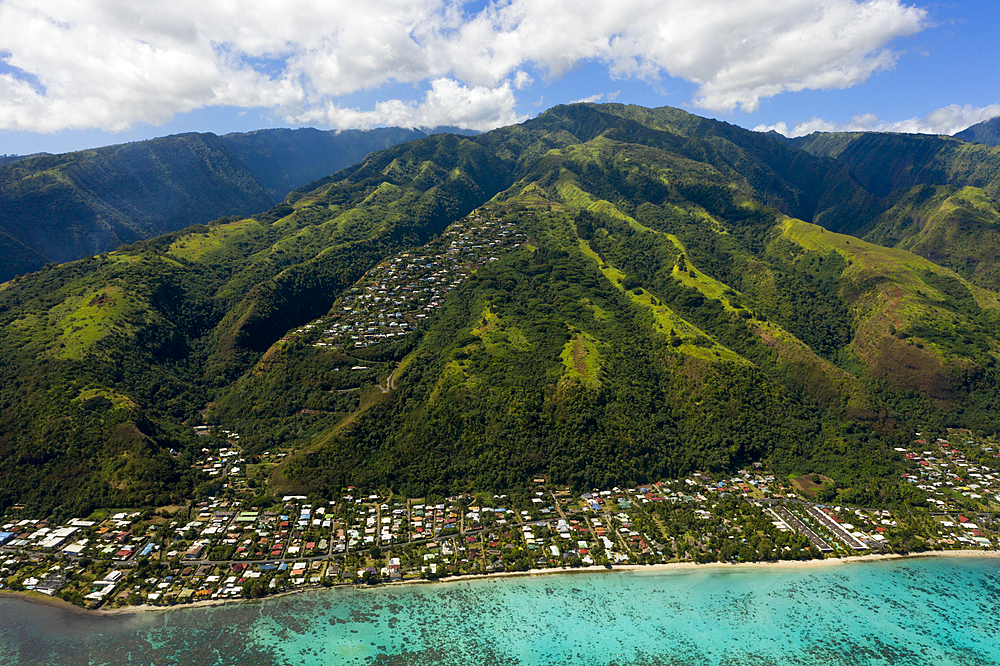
{"x": 391, "y": 300}
{"x": 223, "y": 547}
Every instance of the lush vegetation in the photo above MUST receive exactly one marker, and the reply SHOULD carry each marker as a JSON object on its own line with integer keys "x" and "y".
{"x": 683, "y": 303}
{"x": 284, "y": 159}
{"x": 987, "y": 132}
{"x": 68, "y": 206}
{"x": 65, "y": 207}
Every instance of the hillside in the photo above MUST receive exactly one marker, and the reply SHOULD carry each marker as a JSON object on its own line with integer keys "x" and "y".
{"x": 987, "y": 132}
{"x": 58, "y": 208}
{"x": 884, "y": 163}
{"x": 937, "y": 196}
{"x": 282, "y": 160}
{"x": 64, "y": 207}
{"x": 602, "y": 295}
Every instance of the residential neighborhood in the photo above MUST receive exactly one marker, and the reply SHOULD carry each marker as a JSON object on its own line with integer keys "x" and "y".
{"x": 222, "y": 547}
{"x": 391, "y": 300}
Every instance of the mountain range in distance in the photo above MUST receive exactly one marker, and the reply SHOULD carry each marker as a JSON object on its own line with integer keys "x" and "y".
{"x": 56, "y": 208}
{"x": 602, "y": 295}
{"x": 986, "y": 132}
{"x": 64, "y": 207}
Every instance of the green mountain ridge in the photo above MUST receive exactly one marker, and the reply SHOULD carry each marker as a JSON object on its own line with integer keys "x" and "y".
{"x": 65, "y": 207}
{"x": 68, "y": 206}
{"x": 913, "y": 175}
{"x": 680, "y": 296}
{"x": 284, "y": 159}
{"x": 987, "y": 132}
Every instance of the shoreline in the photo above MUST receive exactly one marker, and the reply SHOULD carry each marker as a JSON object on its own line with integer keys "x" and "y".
{"x": 57, "y": 603}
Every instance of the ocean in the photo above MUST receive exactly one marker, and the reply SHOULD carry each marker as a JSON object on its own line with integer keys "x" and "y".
{"x": 918, "y": 611}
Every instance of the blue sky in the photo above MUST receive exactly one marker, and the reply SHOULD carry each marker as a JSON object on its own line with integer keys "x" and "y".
{"x": 84, "y": 73}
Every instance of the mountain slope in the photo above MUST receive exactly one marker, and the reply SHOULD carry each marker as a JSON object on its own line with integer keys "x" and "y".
{"x": 884, "y": 163}
{"x": 64, "y": 207}
{"x": 938, "y": 196}
{"x": 603, "y": 295}
{"x": 954, "y": 227}
{"x": 987, "y": 132}
{"x": 72, "y": 205}
{"x": 284, "y": 159}
{"x": 491, "y": 351}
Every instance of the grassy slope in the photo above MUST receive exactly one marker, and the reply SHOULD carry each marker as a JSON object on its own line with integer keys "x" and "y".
{"x": 884, "y": 163}
{"x": 561, "y": 363}
{"x": 987, "y": 132}
{"x": 283, "y": 160}
{"x": 954, "y": 227}
{"x": 905, "y": 311}
{"x": 464, "y": 378}
{"x": 821, "y": 378}
{"x": 63, "y": 207}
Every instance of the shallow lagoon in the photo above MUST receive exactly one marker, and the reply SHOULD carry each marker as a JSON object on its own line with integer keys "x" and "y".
{"x": 918, "y": 611}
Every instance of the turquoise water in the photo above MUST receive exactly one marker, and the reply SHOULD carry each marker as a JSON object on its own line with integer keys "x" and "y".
{"x": 938, "y": 611}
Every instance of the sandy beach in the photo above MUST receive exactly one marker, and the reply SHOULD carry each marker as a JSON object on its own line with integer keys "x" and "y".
{"x": 55, "y": 602}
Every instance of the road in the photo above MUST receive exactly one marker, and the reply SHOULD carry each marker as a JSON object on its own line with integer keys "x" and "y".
{"x": 801, "y": 527}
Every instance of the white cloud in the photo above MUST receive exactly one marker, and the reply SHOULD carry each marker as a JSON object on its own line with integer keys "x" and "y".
{"x": 590, "y": 99}
{"x": 113, "y": 63}
{"x": 736, "y": 51}
{"x": 947, "y": 120}
{"x": 593, "y": 99}
{"x": 522, "y": 80}
{"x": 448, "y": 102}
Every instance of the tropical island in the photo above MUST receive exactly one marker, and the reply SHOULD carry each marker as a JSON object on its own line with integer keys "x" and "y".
{"x": 609, "y": 336}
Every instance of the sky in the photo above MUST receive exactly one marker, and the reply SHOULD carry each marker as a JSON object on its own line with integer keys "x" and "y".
{"x": 76, "y": 74}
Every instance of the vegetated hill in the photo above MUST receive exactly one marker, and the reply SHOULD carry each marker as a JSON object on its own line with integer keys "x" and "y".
{"x": 284, "y": 159}
{"x": 938, "y": 195}
{"x": 8, "y": 159}
{"x": 667, "y": 312}
{"x": 952, "y": 226}
{"x": 987, "y": 132}
{"x": 884, "y": 162}
{"x": 68, "y": 206}
{"x": 64, "y": 207}
{"x": 18, "y": 258}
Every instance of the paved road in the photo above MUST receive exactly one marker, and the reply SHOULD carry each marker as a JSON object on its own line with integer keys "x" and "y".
{"x": 836, "y": 528}
{"x": 801, "y": 527}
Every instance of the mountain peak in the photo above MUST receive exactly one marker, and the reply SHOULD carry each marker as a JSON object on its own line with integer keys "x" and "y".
{"x": 987, "y": 132}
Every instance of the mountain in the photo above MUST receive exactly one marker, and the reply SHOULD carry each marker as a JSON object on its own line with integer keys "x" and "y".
{"x": 284, "y": 159}
{"x": 67, "y": 206}
{"x": 57, "y": 208}
{"x": 937, "y": 196}
{"x": 883, "y": 163}
{"x": 602, "y": 295}
{"x": 987, "y": 132}
{"x": 7, "y": 159}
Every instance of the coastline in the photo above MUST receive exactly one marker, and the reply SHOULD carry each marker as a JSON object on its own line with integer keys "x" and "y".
{"x": 57, "y": 603}
{"x": 40, "y": 599}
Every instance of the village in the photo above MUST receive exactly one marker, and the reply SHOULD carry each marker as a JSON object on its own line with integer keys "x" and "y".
{"x": 221, "y": 547}
{"x": 956, "y": 476}
{"x": 395, "y": 296}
